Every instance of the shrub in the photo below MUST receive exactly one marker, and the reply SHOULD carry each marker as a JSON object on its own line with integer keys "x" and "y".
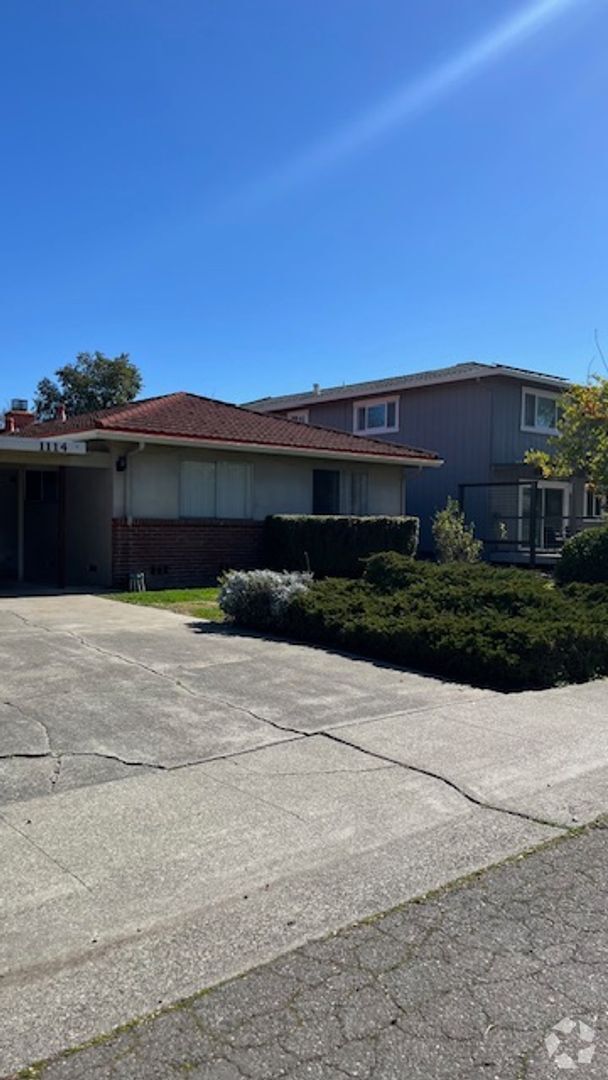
{"x": 335, "y": 546}
{"x": 585, "y": 557}
{"x": 259, "y": 598}
{"x": 388, "y": 570}
{"x": 516, "y": 632}
{"x": 454, "y": 539}
{"x": 458, "y": 586}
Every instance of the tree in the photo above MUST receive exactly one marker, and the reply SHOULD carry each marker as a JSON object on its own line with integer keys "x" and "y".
{"x": 93, "y": 381}
{"x": 454, "y": 539}
{"x": 580, "y": 447}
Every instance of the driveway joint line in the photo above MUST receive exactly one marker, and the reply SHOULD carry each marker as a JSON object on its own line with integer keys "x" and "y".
{"x": 43, "y": 851}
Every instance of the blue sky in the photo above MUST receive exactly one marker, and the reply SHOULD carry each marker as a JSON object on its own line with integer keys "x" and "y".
{"x": 250, "y": 196}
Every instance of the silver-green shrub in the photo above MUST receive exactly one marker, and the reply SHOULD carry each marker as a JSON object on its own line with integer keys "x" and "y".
{"x": 259, "y": 598}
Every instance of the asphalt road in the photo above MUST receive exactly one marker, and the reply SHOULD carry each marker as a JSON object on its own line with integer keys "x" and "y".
{"x": 502, "y": 976}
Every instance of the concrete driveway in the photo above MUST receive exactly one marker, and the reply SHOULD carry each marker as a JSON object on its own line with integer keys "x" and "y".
{"x": 179, "y": 803}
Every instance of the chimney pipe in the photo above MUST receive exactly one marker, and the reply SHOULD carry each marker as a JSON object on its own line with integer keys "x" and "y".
{"x": 316, "y": 389}
{"x": 61, "y": 414}
{"x": 18, "y": 416}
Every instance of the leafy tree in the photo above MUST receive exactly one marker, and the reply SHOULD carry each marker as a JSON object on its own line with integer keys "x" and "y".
{"x": 581, "y": 445}
{"x": 93, "y": 381}
{"x": 454, "y": 539}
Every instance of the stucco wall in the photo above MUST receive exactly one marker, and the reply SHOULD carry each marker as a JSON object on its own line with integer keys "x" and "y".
{"x": 88, "y": 497}
{"x": 150, "y": 485}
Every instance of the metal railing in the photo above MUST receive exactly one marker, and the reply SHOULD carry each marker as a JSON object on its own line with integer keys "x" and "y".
{"x": 533, "y": 535}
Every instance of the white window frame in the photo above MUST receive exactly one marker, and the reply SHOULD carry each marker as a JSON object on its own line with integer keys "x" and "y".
{"x": 536, "y": 393}
{"x": 301, "y": 416}
{"x": 597, "y": 502}
{"x": 367, "y": 403}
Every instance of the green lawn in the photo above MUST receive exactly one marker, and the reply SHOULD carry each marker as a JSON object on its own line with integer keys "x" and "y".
{"x": 201, "y": 603}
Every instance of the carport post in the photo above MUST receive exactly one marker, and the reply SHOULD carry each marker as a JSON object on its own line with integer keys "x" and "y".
{"x": 20, "y": 523}
{"x": 61, "y": 528}
{"x": 533, "y": 520}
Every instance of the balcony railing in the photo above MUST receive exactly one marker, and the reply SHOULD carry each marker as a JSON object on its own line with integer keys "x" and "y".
{"x": 518, "y": 519}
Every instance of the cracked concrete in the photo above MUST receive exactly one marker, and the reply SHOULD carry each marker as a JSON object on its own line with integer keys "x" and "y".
{"x": 178, "y": 802}
{"x": 468, "y": 983}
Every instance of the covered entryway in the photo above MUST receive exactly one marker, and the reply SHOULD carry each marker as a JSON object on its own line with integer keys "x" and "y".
{"x": 55, "y": 516}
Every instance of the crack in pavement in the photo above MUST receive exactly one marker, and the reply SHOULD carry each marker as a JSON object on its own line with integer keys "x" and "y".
{"x": 28, "y": 718}
{"x": 151, "y": 671}
{"x": 470, "y": 796}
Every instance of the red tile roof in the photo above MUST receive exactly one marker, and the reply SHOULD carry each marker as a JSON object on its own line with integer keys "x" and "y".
{"x": 182, "y": 415}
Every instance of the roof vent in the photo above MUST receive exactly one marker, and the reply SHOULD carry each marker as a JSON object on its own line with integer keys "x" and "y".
{"x": 316, "y": 389}
{"x": 19, "y": 404}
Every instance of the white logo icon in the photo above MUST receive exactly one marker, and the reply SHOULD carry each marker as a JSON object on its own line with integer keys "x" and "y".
{"x": 570, "y": 1043}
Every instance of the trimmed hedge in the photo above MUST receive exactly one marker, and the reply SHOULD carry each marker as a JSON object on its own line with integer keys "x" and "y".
{"x": 334, "y": 546}
{"x": 585, "y": 557}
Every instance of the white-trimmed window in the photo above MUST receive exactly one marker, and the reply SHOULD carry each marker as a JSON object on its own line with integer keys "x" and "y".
{"x": 216, "y": 489}
{"x": 376, "y": 416}
{"x": 594, "y": 503}
{"x": 539, "y": 411}
{"x": 300, "y": 415}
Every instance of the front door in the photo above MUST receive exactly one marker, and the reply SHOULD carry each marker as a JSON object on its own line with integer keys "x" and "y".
{"x": 552, "y": 514}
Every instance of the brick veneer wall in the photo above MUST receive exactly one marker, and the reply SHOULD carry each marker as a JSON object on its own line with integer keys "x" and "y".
{"x": 184, "y": 552}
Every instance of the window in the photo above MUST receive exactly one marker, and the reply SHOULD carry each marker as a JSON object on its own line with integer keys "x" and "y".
{"x": 197, "y": 489}
{"x": 301, "y": 415}
{"x": 593, "y": 504}
{"x": 358, "y": 493}
{"x": 377, "y": 416}
{"x": 325, "y": 491}
{"x": 234, "y": 490}
{"x": 539, "y": 411}
{"x": 221, "y": 489}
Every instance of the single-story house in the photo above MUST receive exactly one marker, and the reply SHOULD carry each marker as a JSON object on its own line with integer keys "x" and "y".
{"x": 176, "y": 486}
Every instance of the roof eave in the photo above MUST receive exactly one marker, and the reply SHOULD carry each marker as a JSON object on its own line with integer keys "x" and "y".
{"x": 391, "y": 386}
{"x": 114, "y": 435}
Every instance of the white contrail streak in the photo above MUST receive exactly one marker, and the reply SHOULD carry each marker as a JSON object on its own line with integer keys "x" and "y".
{"x": 408, "y": 100}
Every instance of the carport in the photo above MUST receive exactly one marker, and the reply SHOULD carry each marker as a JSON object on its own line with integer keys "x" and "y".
{"x": 55, "y": 513}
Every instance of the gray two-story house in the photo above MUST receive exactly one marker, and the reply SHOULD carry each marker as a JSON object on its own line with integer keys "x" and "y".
{"x": 481, "y": 419}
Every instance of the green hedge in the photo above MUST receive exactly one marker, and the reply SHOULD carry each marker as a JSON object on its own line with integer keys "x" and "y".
{"x": 505, "y": 629}
{"x": 335, "y": 546}
{"x": 585, "y": 557}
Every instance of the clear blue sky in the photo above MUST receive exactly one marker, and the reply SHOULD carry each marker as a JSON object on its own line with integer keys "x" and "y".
{"x": 252, "y": 195}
